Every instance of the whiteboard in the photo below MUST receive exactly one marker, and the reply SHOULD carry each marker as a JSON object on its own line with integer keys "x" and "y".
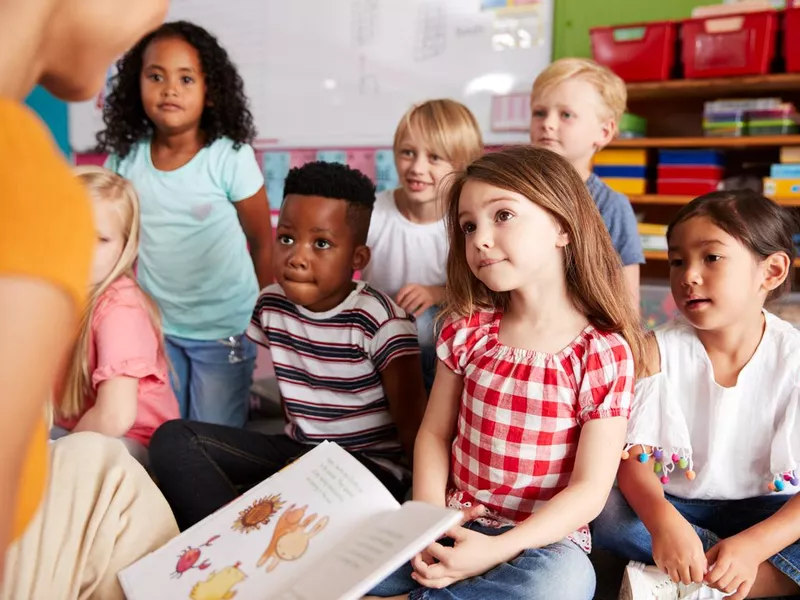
{"x": 341, "y": 73}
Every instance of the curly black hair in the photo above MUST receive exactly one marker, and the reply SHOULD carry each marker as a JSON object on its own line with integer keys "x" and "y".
{"x": 338, "y": 182}
{"x": 227, "y": 113}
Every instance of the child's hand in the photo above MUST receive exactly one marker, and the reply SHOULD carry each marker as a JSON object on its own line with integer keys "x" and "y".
{"x": 473, "y": 554}
{"x": 416, "y": 299}
{"x": 734, "y": 567}
{"x": 678, "y": 550}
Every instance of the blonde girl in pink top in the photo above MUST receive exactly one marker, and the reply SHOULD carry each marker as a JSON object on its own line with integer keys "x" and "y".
{"x": 117, "y": 381}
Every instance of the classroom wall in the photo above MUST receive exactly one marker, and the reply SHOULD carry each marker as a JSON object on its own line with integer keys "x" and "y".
{"x": 53, "y": 112}
{"x": 573, "y": 18}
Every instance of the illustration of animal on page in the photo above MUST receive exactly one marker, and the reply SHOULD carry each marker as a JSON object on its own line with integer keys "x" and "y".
{"x": 219, "y": 584}
{"x": 293, "y": 531}
{"x": 188, "y": 559}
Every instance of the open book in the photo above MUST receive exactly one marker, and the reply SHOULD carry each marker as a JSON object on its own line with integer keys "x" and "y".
{"x": 324, "y": 528}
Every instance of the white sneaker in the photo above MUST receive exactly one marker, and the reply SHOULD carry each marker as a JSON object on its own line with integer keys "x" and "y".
{"x": 644, "y": 582}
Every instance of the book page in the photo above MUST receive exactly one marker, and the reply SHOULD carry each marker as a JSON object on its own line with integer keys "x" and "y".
{"x": 372, "y": 553}
{"x": 266, "y": 538}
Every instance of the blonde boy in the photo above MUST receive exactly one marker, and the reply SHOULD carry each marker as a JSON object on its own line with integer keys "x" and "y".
{"x": 407, "y": 234}
{"x": 576, "y": 105}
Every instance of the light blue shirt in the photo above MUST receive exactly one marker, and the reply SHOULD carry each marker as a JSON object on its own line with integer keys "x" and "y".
{"x": 193, "y": 257}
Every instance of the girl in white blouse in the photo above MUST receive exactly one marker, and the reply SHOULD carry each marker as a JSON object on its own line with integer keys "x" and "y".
{"x": 707, "y": 492}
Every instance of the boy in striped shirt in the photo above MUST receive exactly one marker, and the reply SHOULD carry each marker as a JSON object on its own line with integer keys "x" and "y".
{"x": 346, "y": 358}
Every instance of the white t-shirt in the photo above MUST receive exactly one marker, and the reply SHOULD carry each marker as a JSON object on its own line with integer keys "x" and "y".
{"x": 403, "y": 252}
{"x": 738, "y": 439}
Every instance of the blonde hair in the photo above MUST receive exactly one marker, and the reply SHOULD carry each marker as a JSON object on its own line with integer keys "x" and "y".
{"x": 609, "y": 86}
{"x": 107, "y": 187}
{"x": 595, "y": 282}
{"x": 448, "y": 127}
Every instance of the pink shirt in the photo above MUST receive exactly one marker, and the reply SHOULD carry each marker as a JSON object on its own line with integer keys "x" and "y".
{"x": 124, "y": 343}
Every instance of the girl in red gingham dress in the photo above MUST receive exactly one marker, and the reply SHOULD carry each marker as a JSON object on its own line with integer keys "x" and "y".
{"x": 529, "y": 408}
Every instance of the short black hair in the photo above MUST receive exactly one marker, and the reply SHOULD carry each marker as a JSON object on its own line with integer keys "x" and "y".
{"x": 758, "y": 223}
{"x": 227, "y": 112}
{"x": 338, "y": 182}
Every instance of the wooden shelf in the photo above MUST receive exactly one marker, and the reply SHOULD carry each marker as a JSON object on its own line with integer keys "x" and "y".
{"x": 705, "y": 88}
{"x": 655, "y": 255}
{"x": 662, "y": 255}
{"x": 660, "y": 199}
{"x": 709, "y": 142}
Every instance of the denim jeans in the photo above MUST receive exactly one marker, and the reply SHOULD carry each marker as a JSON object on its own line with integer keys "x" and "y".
{"x": 201, "y": 467}
{"x": 212, "y": 379}
{"x": 427, "y": 334}
{"x": 620, "y": 531}
{"x": 560, "y": 571}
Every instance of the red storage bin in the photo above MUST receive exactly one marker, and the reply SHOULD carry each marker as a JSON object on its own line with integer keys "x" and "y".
{"x": 637, "y": 52}
{"x": 685, "y": 187}
{"x": 728, "y": 46}
{"x": 791, "y": 40}
{"x": 694, "y": 172}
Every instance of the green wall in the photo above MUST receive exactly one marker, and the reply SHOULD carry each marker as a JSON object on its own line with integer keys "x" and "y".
{"x": 573, "y": 18}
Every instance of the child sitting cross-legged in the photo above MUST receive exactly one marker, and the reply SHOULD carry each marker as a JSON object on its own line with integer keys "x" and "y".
{"x": 346, "y": 358}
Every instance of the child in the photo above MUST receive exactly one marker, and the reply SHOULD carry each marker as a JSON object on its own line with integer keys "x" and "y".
{"x": 346, "y": 358}
{"x": 178, "y": 126}
{"x": 117, "y": 382}
{"x": 533, "y": 388}
{"x": 576, "y": 106}
{"x": 407, "y": 237}
{"x": 718, "y": 414}
{"x": 74, "y": 512}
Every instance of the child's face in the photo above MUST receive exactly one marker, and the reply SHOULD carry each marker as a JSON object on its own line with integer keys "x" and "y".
{"x": 86, "y": 36}
{"x": 565, "y": 118}
{"x": 109, "y": 241}
{"x": 173, "y": 85}
{"x": 716, "y": 281}
{"x": 316, "y": 252}
{"x": 510, "y": 241}
{"x": 419, "y": 169}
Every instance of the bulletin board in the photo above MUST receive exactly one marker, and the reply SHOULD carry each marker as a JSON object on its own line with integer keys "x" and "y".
{"x": 340, "y": 73}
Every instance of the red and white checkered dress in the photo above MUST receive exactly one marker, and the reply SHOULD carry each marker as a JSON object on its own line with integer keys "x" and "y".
{"x": 521, "y": 413}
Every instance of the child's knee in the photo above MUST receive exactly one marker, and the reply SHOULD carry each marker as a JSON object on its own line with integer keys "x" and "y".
{"x": 172, "y": 438}
{"x": 561, "y": 571}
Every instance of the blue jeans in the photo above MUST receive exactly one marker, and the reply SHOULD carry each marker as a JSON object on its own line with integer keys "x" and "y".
{"x": 427, "y": 334}
{"x": 620, "y": 531}
{"x": 212, "y": 379}
{"x": 559, "y": 571}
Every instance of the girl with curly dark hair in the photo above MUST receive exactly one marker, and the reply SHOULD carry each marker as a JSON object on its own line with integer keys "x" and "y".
{"x": 179, "y": 127}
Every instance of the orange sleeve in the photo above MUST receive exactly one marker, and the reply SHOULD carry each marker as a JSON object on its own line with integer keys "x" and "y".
{"x": 46, "y": 232}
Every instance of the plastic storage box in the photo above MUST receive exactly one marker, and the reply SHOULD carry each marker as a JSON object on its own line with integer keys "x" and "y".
{"x": 728, "y": 46}
{"x": 637, "y": 52}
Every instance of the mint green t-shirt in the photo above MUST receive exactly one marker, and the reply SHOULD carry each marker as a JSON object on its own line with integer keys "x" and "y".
{"x": 193, "y": 257}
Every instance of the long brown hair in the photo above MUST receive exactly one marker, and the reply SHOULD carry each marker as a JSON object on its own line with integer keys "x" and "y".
{"x": 595, "y": 282}
{"x": 104, "y": 186}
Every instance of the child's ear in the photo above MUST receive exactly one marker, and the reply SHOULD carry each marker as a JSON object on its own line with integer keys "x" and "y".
{"x": 562, "y": 240}
{"x": 776, "y": 270}
{"x": 361, "y": 256}
{"x": 608, "y": 129}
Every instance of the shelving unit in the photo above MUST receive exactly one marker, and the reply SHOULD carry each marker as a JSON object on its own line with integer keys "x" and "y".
{"x": 674, "y": 113}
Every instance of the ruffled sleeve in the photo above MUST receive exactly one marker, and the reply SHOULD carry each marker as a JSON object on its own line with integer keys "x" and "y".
{"x": 126, "y": 344}
{"x": 658, "y": 424}
{"x": 784, "y": 457}
{"x": 459, "y": 338}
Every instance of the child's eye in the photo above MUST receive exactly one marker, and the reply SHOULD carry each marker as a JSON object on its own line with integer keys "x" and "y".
{"x": 434, "y": 158}
{"x": 566, "y": 115}
{"x": 467, "y": 228}
{"x": 322, "y": 244}
{"x": 187, "y": 79}
{"x": 504, "y": 215}
{"x": 675, "y": 262}
{"x": 155, "y": 77}
{"x": 713, "y": 257}
{"x": 407, "y": 153}
{"x": 103, "y": 239}
{"x": 285, "y": 240}
{"x": 539, "y": 113}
